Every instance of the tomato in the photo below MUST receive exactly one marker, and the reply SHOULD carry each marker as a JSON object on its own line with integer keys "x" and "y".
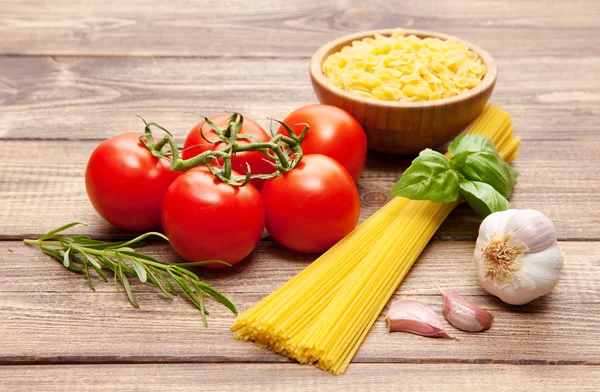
{"x": 332, "y": 132}
{"x": 195, "y": 145}
{"x": 313, "y": 206}
{"x": 126, "y": 184}
{"x": 206, "y": 219}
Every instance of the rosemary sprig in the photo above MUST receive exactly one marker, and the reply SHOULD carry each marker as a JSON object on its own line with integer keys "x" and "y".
{"x": 79, "y": 253}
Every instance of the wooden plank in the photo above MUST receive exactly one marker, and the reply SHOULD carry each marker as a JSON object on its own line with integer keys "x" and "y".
{"x": 49, "y": 315}
{"x": 557, "y": 177}
{"x": 441, "y": 258}
{"x": 94, "y": 98}
{"x": 292, "y": 377}
{"x": 286, "y": 29}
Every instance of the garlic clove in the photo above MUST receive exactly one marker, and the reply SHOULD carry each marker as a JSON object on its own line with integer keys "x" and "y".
{"x": 414, "y": 317}
{"x": 495, "y": 223}
{"x": 465, "y": 315}
{"x": 510, "y": 294}
{"x": 532, "y": 228}
{"x": 544, "y": 267}
{"x": 550, "y": 258}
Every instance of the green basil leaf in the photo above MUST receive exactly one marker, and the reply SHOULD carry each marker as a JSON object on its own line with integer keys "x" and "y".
{"x": 482, "y": 197}
{"x": 457, "y": 161}
{"x": 429, "y": 177}
{"x": 476, "y": 158}
{"x": 471, "y": 143}
{"x": 489, "y": 168}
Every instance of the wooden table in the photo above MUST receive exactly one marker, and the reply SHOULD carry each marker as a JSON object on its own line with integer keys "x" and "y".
{"x": 72, "y": 74}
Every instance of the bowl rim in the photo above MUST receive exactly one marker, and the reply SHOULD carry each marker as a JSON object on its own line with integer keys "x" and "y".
{"x": 317, "y": 59}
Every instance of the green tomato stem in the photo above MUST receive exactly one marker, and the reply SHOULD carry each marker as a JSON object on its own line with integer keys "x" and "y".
{"x": 284, "y": 150}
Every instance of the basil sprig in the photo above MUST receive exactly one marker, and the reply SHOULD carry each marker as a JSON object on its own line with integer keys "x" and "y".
{"x": 475, "y": 171}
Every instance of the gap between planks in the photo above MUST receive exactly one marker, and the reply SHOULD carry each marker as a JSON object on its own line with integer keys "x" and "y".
{"x": 91, "y": 360}
{"x": 126, "y": 236}
{"x": 210, "y": 57}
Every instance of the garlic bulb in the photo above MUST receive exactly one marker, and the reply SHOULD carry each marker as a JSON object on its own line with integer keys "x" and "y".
{"x": 517, "y": 255}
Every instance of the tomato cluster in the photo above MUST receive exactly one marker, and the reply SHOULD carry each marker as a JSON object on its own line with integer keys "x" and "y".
{"x": 306, "y": 209}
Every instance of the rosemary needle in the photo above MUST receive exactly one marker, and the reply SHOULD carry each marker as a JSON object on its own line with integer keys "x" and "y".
{"x": 79, "y": 253}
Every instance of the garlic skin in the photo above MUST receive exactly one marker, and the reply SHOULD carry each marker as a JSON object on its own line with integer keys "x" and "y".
{"x": 517, "y": 255}
{"x": 414, "y": 317}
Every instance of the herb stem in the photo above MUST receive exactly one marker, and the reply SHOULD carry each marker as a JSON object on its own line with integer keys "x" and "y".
{"x": 107, "y": 252}
{"x": 40, "y": 242}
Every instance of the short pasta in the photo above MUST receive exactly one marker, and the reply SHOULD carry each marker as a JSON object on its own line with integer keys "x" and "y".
{"x": 405, "y": 68}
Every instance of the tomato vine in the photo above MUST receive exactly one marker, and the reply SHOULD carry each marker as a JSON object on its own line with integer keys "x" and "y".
{"x": 283, "y": 152}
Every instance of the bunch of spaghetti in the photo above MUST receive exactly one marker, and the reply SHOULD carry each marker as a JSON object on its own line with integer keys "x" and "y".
{"x": 322, "y": 315}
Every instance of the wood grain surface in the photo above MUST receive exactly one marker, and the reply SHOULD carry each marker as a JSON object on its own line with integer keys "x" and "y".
{"x": 93, "y": 326}
{"x": 263, "y": 28}
{"x": 73, "y": 73}
{"x": 292, "y": 377}
{"x": 96, "y": 97}
{"x": 51, "y": 192}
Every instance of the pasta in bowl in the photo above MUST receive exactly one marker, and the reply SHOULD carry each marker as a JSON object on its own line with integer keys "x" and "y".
{"x": 409, "y": 89}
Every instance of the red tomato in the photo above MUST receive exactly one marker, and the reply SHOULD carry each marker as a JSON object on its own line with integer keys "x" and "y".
{"x": 126, "y": 184}
{"x": 206, "y": 219}
{"x": 313, "y": 206}
{"x": 333, "y": 132}
{"x": 195, "y": 145}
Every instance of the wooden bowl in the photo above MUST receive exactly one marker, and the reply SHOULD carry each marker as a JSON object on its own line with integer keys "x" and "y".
{"x": 405, "y": 127}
